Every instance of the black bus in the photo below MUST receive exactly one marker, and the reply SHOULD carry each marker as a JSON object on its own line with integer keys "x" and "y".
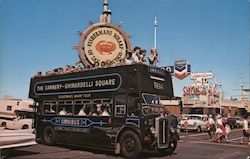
{"x": 116, "y": 108}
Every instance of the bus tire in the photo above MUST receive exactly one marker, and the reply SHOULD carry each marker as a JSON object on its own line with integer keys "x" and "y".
{"x": 170, "y": 149}
{"x": 4, "y": 153}
{"x": 130, "y": 144}
{"x": 49, "y": 136}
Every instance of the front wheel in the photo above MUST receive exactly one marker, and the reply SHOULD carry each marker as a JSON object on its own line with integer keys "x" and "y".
{"x": 49, "y": 135}
{"x": 130, "y": 144}
{"x": 170, "y": 149}
{"x": 4, "y": 153}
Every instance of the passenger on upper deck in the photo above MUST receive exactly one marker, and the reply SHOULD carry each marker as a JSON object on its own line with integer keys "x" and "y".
{"x": 142, "y": 56}
{"x": 79, "y": 68}
{"x": 128, "y": 59}
{"x": 39, "y": 74}
{"x": 103, "y": 64}
{"x": 96, "y": 64}
{"x": 69, "y": 69}
{"x": 153, "y": 57}
{"x": 136, "y": 54}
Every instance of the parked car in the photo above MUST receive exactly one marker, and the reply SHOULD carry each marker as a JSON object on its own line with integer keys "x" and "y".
{"x": 196, "y": 122}
{"x": 235, "y": 121}
{"x": 22, "y": 120}
{"x": 15, "y": 138}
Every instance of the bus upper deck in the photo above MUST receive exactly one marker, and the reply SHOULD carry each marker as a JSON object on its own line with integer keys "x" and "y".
{"x": 133, "y": 78}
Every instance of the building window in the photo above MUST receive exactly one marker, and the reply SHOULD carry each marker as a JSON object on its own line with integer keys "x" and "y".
{"x": 9, "y": 108}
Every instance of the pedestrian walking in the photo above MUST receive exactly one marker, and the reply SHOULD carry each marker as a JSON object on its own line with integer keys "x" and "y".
{"x": 210, "y": 124}
{"x": 219, "y": 128}
{"x": 245, "y": 132}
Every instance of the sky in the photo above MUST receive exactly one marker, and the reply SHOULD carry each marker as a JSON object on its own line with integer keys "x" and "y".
{"x": 212, "y": 35}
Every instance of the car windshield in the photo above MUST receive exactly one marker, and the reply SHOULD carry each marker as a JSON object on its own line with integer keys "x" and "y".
{"x": 194, "y": 117}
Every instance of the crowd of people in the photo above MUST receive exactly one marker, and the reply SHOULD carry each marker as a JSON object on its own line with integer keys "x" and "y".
{"x": 218, "y": 129}
{"x": 138, "y": 55}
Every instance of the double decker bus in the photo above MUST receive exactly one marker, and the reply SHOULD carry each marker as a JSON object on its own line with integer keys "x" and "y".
{"x": 116, "y": 108}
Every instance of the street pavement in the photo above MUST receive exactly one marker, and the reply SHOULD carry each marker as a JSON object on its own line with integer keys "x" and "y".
{"x": 195, "y": 146}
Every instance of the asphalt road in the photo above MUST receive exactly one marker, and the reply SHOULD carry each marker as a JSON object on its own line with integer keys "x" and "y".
{"x": 195, "y": 146}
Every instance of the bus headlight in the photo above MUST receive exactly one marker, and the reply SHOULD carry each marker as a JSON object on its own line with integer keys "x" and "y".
{"x": 152, "y": 130}
{"x": 172, "y": 130}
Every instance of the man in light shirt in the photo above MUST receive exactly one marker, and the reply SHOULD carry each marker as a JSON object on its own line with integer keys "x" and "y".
{"x": 210, "y": 126}
{"x": 63, "y": 111}
{"x": 136, "y": 54}
{"x": 245, "y": 130}
{"x": 82, "y": 111}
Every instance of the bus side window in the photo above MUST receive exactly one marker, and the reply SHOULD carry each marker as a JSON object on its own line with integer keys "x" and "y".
{"x": 105, "y": 110}
{"x": 120, "y": 105}
{"x": 65, "y": 110}
{"x": 53, "y": 108}
{"x": 95, "y": 109}
{"x": 81, "y": 110}
{"x": 46, "y": 109}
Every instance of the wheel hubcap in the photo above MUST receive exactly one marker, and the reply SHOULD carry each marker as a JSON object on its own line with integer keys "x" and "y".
{"x": 48, "y": 135}
{"x": 129, "y": 144}
{"x": 171, "y": 144}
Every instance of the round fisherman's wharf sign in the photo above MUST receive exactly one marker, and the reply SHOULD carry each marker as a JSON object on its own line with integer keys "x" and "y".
{"x": 103, "y": 44}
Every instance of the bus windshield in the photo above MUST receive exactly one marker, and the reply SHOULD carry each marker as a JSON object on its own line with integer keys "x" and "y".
{"x": 151, "y": 98}
{"x": 151, "y": 104}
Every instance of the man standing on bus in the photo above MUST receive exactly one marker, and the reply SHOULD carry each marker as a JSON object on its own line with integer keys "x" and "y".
{"x": 136, "y": 54}
{"x": 153, "y": 57}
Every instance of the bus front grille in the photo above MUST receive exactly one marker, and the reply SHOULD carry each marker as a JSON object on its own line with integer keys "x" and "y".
{"x": 162, "y": 131}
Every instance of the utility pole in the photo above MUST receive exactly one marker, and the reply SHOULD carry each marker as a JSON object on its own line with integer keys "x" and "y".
{"x": 241, "y": 86}
{"x": 106, "y": 14}
{"x": 155, "y": 26}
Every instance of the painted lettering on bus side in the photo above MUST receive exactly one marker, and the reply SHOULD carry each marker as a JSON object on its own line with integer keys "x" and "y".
{"x": 158, "y": 86}
{"x": 99, "y": 83}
